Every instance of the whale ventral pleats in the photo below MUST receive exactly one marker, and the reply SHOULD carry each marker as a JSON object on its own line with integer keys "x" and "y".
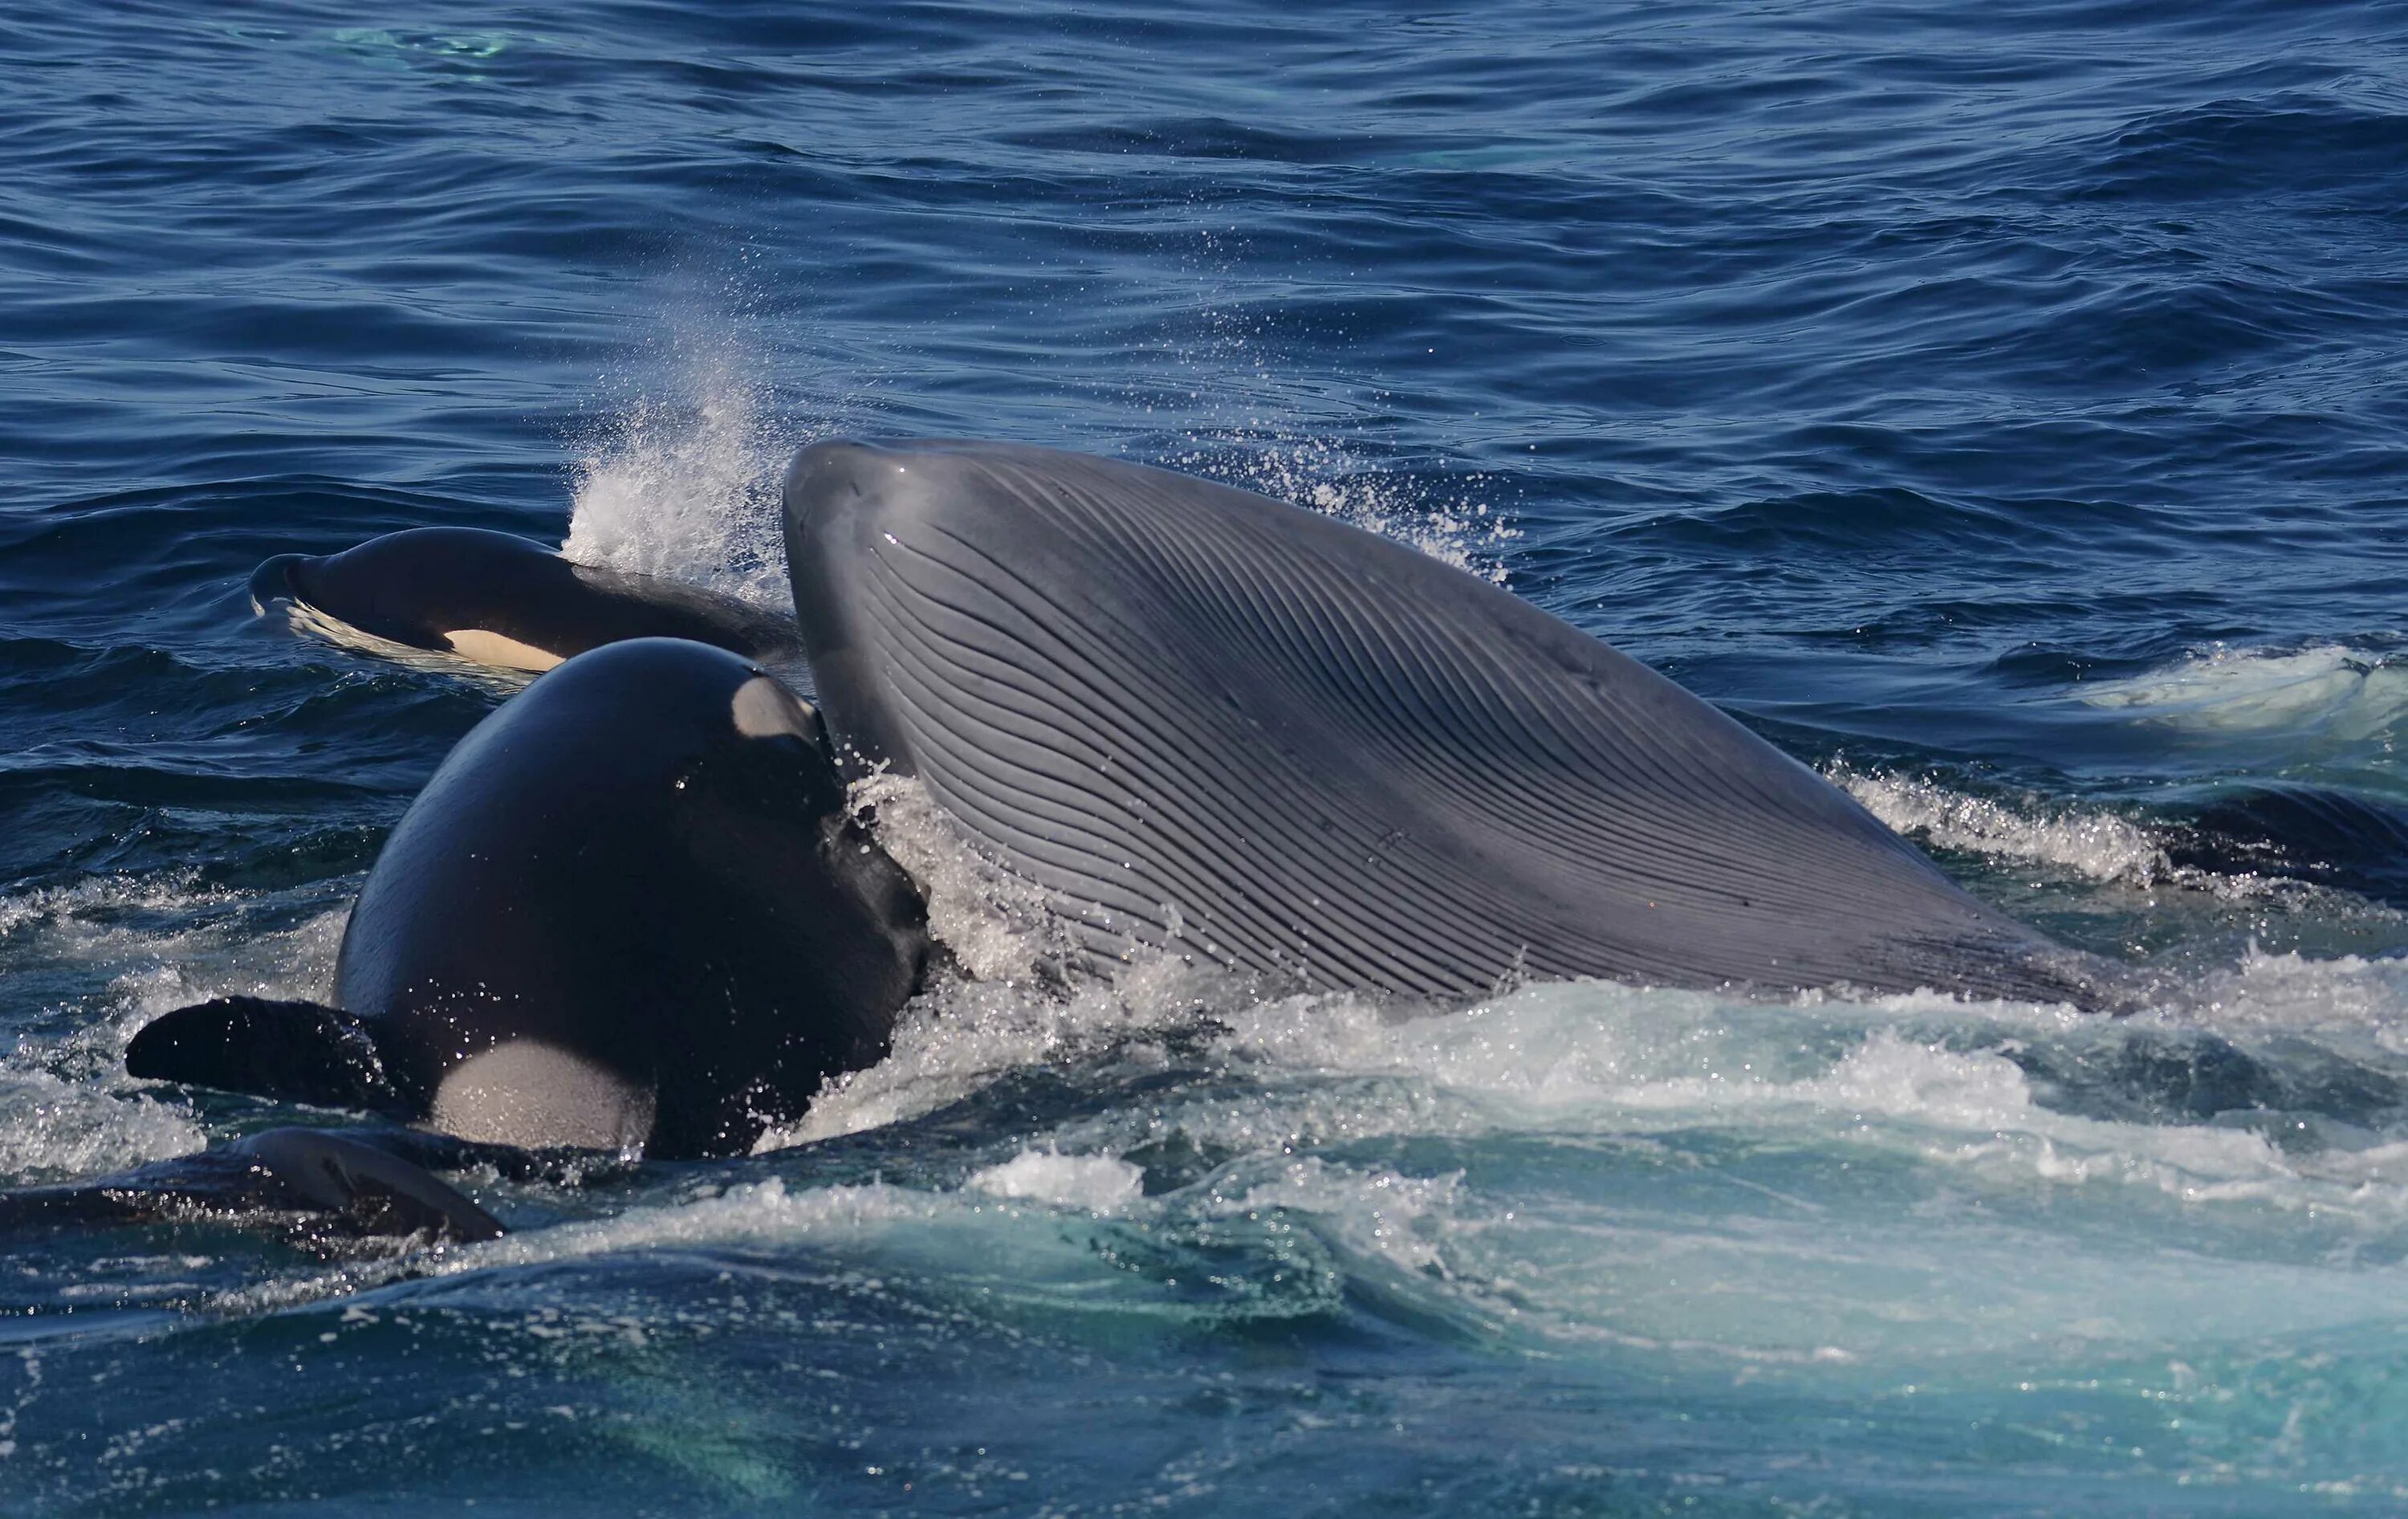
{"x": 1348, "y": 764}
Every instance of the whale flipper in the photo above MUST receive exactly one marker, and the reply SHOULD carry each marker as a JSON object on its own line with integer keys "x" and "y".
{"x": 289, "y": 1051}
{"x": 1198, "y": 716}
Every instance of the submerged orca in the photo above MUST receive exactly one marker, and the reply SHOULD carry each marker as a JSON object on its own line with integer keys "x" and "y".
{"x": 630, "y": 911}
{"x": 323, "y": 1186}
{"x": 504, "y": 601}
{"x": 1202, "y": 719}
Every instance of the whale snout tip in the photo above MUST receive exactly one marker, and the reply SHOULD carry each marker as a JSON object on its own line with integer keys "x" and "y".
{"x": 272, "y": 582}
{"x": 830, "y": 467}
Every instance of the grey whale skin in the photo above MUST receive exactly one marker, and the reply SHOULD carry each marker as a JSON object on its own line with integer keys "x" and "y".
{"x": 629, "y": 912}
{"x": 507, "y": 601}
{"x": 1195, "y": 716}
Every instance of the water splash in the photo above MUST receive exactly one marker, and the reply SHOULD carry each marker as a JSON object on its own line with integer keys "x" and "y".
{"x": 686, "y": 487}
{"x": 2089, "y": 841}
{"x": 150, "y": 943}
{"x": 1327, "y": 477}
{"x": 1096, "y": 1184}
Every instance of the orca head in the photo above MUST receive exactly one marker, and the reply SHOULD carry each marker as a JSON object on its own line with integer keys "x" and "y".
{"x": 629, "y": 899}
{"x": 271, "y": 583}
{"x": 424, "y": 588}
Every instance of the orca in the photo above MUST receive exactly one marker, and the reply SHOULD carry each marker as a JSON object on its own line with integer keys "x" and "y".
{"x": 501, "y": 601}
{"x": 2291, "y": 830}
{"x": 321, "y": 1186}
{"x": 1203, "y": 721}
{"x": 631, "y": 911}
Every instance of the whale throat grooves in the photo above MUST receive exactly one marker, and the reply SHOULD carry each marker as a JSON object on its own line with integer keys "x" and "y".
{"x": 1202, "y": 719}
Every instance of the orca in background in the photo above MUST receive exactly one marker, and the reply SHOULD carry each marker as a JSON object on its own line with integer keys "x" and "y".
{"x": 503, "y": 601}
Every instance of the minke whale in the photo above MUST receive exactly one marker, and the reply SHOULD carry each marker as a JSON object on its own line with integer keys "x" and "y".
{"x": 1204, "y": 721}
{"x": 630, "y": 911}
{"x": 502, "y": 601}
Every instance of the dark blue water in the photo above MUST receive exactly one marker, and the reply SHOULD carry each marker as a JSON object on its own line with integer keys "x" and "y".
{"x": 2004, "y": 407}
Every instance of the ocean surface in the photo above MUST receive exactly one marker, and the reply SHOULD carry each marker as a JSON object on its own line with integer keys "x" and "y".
{"x": 2003, "y": 408}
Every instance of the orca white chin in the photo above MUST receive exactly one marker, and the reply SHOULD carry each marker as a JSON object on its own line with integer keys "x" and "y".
{"x": 528, "y": 1094}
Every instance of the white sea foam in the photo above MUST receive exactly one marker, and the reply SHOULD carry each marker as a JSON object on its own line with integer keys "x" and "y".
{"x": 1374, "y": 1212}
{"x": 1635, "y": 1076}
{"x": 1098, "y": 1183}
{"x": 82, "y": 909}
{"x": 167, "y": 971}
{"x": 1601, "y": 1061}
{"x": 1960, "y": 1165}
{"x": 1015, "y": 1246}
{"x": 2090, "y": 840}
{"x": 962, "y": 1036}
{"x": 53, "y": 1130}
{"x": 1816, "y": 1184}
{"x": 2328, "y": 692}
{"x": 161, "y": 940}
{"x": 154, "y": 943}
{"x": 2352, "y": 1005}
{"x": 1860, "y": 1186}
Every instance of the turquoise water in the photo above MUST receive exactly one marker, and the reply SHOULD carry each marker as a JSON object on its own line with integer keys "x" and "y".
{"x": 2003, "y": 409}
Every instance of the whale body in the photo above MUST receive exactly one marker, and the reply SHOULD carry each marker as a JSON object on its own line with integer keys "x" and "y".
{"x": 1206, "y": 721}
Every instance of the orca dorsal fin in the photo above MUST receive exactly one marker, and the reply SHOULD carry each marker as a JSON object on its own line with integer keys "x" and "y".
{"x": 292, "y": 1051}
